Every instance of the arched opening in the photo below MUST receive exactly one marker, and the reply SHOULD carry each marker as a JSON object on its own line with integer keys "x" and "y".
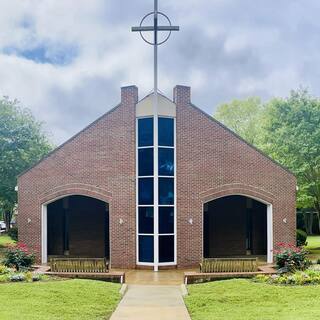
{"x": 77, "y": 226}
{"x": 236, "y": 226}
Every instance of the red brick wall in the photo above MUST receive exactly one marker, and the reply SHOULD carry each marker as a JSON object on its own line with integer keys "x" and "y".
{"x": 99, "y": 162}
{"x": 213, "y": 162}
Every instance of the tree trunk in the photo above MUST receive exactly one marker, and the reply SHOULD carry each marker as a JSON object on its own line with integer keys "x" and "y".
{"x": 308, "y": 221}
{"x": 317, "y": 207}
{"x": 7, "y": 219}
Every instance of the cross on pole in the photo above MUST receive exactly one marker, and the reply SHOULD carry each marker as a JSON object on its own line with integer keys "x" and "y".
{"x": 155, "y": 29}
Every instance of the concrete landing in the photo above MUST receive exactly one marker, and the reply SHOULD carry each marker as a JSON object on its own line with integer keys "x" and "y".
{"x": 151, "y": 302}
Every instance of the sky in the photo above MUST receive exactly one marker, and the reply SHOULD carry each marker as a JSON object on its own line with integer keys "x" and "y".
{"x": 67, "y": 59}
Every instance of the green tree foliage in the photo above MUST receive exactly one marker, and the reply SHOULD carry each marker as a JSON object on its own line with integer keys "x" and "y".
{"x": 22, "y": 143}
{"x": 288, "y": 130}
{"x": 291, "y": 135}
{"x": 243, "y": 117}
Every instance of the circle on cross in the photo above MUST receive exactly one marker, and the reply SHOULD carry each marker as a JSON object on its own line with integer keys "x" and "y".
{"x": 162, "y": 18}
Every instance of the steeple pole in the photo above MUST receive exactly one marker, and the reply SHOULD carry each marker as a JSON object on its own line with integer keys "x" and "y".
{"x": 155, "y": 144}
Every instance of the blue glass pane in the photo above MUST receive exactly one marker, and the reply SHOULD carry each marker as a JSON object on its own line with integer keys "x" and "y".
{"x": 165, "y": 132}
{"x": 166, "y": 220}
{"x": 166, "y": 191}
{"x": 145, "y": 162}
{"x": 166, "y": 248}
{"x": 146, "y": 248}
{"x": 146, "y": 191}
{"x": 166, "y": 162}
{"x": 146, "y": 220}
{"x": 145, "y": 132}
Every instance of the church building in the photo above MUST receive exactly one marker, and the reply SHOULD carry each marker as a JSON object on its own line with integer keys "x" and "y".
{"x": 157, "y": 190}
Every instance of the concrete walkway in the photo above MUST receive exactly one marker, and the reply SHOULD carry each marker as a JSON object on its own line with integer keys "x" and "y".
{"x": 143, "y": 302}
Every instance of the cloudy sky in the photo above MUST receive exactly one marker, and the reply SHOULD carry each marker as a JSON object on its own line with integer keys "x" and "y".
{"x": 67, "y": 59}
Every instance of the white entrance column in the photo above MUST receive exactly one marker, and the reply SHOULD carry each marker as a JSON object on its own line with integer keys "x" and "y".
{"x": 269, "y": 233}
{"x": 44, "y": 234}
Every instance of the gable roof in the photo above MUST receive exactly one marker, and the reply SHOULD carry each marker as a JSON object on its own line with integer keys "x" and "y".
{"x": 240, "y": 138}
{"x": 191, "y": 104}
{"x": 69, "y": 140}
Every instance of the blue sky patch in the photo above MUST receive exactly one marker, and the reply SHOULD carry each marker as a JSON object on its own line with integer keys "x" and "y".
{"x": 56, "y": 55}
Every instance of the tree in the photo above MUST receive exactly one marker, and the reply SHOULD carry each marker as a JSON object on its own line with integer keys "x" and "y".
{"x": 291, "y": 135}
{"x": 22, "y": 143}
{"x": 243, "y": 117}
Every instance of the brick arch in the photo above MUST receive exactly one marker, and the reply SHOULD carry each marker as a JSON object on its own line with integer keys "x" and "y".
{"x": 237, "y": 189}
{"x": 75, "y": 189}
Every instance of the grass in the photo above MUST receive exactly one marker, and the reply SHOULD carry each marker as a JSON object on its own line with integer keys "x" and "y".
{"x": 240, "y": 299}
{"x": 65, "y": 300}
{"x": 4, "y": 240}
{"x": 313, "y": 247}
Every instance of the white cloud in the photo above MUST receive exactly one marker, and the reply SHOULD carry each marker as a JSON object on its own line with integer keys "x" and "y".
{"x": 225, "y": 50}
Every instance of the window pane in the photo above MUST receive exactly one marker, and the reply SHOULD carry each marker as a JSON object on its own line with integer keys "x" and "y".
{"x": 165, "y": 132}
{"x": 145, "y": 132}
{"x": 166, "y": 187}
{"x": 166, "y": 248}
{"x": 166, "y": 219}
{"x": 146, "y": 191}
{"x": 145, "y": 162}
{"x": 146, "y": 248}
{"x": 145, "y": 220}
{"x": 166, "y": 166}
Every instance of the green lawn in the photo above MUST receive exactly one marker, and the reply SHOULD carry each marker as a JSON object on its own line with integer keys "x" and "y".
{"x": 240, "y": 299}
{"x": 65, "y": 300}
{"x": 4, "y": 239}
{"x": 313, "y": 247}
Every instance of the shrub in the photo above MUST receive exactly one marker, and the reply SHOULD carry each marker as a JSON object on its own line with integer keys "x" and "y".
{"x": 301, "y": 238}
{"x": 4, "y": 278}
{"x": 17, "y": 277}
{"x": 4, "y": 269}
{"x": 13, "y": 233}
{"x": 298, "y": 278}
{"x": 290, "y": 258}
{"x": 18, "y": 256}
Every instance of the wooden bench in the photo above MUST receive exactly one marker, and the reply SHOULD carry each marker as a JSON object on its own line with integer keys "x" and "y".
{"x": 84, "y": 268}
{"x": 212, "y": 265}
{"x": 78, "y": 265}
{"x": 195, "y": 277}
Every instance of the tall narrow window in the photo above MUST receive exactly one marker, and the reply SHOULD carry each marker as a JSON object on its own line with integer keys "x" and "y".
{"x": 145, "y": 191}
{"x": 156, "y": 212}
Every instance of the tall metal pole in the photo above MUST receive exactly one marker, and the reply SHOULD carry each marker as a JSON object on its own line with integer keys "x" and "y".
{"x": 155, "y": 143}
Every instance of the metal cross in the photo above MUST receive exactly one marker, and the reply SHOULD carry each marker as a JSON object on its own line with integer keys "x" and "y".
{"x": 155, "y": 29}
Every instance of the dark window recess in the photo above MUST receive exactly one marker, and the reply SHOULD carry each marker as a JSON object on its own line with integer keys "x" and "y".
{"x": 166, "y": 220}
{"x": 146, "y": 220}
{"x": 146, "y": 248}
{"x": 166, "y": 132}
{"x": 166, "y": 248}
{"x": 166, "y": 162}
{"x": 146, "y": 191}
{"x": 145, "y": 132}
{"x": 166, "y": 191}
{"x": 145, "y": 162}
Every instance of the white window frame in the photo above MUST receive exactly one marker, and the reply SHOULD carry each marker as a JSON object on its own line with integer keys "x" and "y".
{"x": 155, "y": 204}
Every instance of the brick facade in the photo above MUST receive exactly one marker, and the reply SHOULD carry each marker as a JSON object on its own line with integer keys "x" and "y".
{"x": 100, "y": 162}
